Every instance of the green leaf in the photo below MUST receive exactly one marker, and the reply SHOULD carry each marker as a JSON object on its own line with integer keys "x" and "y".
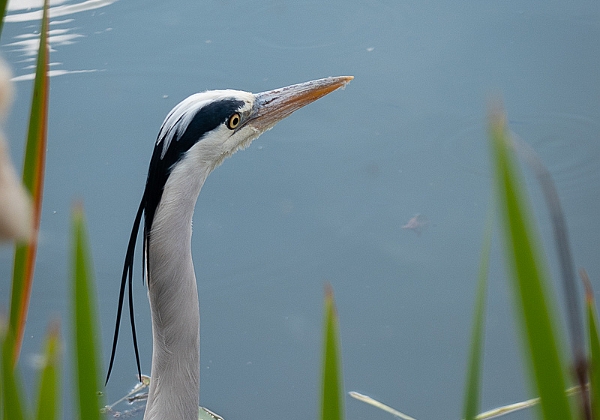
{"x": 33, "y": 179}
{"x": 331, "y": 403}
{"x": 471, "y": 404}
{"x": 528, "y": 277}
{"x": 12, "y": 395}
{"x": 49, "y": 394}
{"x": 85, "y": 328}
{"x": 594, "y": 345}
{"x": 3, "y": 4}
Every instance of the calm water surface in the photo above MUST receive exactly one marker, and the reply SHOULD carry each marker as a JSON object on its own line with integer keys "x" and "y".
{"x": 323, "y": 196}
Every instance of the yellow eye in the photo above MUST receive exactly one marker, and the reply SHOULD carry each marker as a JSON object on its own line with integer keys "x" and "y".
{"x": 234, "y": 121}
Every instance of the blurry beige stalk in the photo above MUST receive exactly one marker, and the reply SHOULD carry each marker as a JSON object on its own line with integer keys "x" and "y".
{"x": 15, "y": 204}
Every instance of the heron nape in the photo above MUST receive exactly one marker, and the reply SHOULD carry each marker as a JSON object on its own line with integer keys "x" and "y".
{"x": 195, "y": 137}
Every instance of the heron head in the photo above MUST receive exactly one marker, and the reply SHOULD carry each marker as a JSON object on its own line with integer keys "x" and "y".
{"x": 207, "y": 127}
{"x": 219, "y": 122}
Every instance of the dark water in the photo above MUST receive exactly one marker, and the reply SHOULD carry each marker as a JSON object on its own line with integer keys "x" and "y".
{"x": 323, "y": 196}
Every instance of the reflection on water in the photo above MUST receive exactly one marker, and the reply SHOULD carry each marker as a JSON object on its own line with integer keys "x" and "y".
{"x": 57, "y": 8}
{"x": 27, "y": 44}
{"x": 51, "y": 73}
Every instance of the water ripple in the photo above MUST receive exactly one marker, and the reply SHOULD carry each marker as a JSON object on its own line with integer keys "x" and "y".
{"x": 63, "y": 32}
{"x": 569, "y": 145}
{"x": 57, "y": 8}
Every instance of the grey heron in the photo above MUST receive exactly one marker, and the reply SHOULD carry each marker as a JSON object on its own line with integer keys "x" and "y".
{"x": 195, "y": 137}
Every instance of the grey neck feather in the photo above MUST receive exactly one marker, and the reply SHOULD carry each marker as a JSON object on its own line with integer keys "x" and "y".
{"x": 173, "y": 295}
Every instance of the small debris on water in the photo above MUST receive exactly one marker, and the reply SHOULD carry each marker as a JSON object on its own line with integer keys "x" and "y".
{"x": 417, "y": 223}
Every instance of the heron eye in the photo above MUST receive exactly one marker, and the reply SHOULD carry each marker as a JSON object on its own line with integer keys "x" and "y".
{"x": 234, "y": 121}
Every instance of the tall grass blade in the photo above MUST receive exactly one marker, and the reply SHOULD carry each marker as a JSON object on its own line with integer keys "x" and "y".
{"x": 471, "y": 404}
{"x": 49, "y": 394}
{"x": 3, "y": 4}
{"x": 569, "y": 279}
{"x": 527, "y": 273}
{"x": 12, "y": 395}
{"x": 33, "y": 179}
{"x": 594, "y": 345}
{"x": 85, "y": 330}
{"x": 332, "y": 394}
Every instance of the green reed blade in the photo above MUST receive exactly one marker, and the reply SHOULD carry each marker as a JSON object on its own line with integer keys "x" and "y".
{"x": 528, "y": 277}
{"x": 471, "y": 404}
{"x": 10, "y": 385}
{"x": 33, "y": 179}
{"x": 332, "y": 407}
{"x": 85, "y": 330}
{"x": 594, "y": 345}
{"x": 3, "y": 4}
{"x": 49, "y": 394}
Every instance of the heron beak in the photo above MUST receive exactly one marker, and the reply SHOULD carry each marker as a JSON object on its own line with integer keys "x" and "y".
{"x": 273, "y": 106}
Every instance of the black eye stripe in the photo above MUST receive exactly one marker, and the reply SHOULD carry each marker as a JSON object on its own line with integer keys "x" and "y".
{"x": 206, "y": 119}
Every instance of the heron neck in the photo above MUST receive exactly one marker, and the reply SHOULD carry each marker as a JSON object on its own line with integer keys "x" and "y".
{"x": 172, "y": 291}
